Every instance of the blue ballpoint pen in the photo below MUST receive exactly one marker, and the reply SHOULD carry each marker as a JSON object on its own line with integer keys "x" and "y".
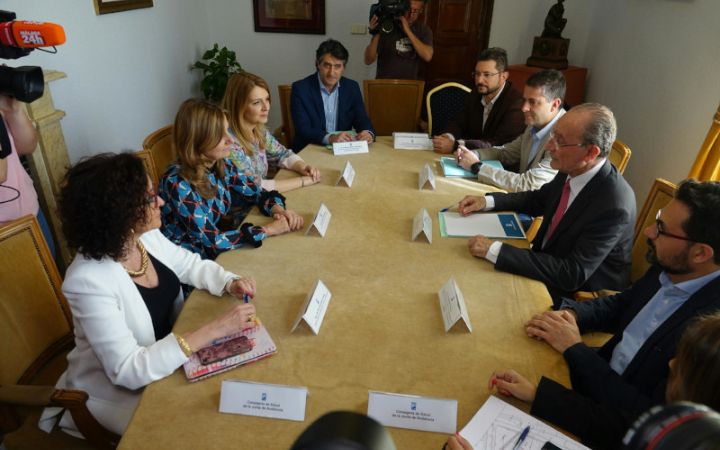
{"x": 448, "y": 208}
{"x": 522, "y": 437}
{"x": 246, "y": 298}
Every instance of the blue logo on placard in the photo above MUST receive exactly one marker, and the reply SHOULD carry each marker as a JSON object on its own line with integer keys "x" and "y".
{"x": 413, "y": 406}
{"x": 264, "y": 396}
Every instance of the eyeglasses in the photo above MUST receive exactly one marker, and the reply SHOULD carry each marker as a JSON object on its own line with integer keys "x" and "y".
{"x": 659, "y": 230}
{"x": 555, "y": 142}
{"x": 483, "y": 74}
{"x": 152, "y": 199}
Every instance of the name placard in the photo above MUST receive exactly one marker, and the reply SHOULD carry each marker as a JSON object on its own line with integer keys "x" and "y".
{"x": 314, "y": 308}
{"x": 413, "y": 412}
{"x": 347, "y": 176}
{"x": 452, "y": 305}
{"x": 422, "y": 224}
{"x": 350, "y": 148}
{"x": 276, "y": 401}
{"x": 321, "y": 221}
{"x": 427, "y": 178}
{"x": 411, "y": 141}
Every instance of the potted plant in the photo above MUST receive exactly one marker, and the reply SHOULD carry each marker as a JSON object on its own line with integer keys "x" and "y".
{"x": 218, "y": 65}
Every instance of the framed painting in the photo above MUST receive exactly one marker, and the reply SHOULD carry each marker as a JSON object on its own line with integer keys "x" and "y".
{"x": 111, "y": 6}
{"x": 289, "y": 16}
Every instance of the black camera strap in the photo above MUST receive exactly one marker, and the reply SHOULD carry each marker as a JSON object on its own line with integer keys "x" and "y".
{"x": 5, "y": 147}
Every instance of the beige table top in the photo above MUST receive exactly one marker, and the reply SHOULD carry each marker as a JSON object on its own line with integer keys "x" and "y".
{"x": 382, "y": 330}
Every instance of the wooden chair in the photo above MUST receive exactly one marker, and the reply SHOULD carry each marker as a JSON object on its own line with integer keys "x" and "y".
{"x": 707, "y": 162}
{"x": 147, "y": 159}
{"x": 619, "y": 156}
{"x": 285, "y": 133}
{"x": 162, "y": 151}
{"x": 661, "y": 193}
{"x": 443, "y": 103}
{"x": 393, "y": 105}
{"x": 34, "y": 339}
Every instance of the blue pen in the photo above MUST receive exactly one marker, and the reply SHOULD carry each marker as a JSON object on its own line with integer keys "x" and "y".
{"x": 522, "y": 437}
{"x": 246, "y": 298}
{"x": 448, "y": 208}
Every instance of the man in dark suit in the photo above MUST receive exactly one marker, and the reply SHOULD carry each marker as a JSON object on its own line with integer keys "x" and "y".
{"x": 585, "y": 240}
{"x": 492, "y": 114}
{"x": 325, "y": 106}
{"x": 629, "y": 373}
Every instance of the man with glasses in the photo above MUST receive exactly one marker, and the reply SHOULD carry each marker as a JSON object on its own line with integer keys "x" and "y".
{"x": 585, "y": 240}
{"x": 629, "y": 373}
{"x": 542, "y": 106}
{"x": 492, "y": 115}
{"x": 399, "y": 52}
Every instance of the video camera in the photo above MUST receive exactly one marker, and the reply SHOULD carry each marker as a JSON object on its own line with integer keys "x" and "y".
{"x": 388, "y": 13}
{"x": 17, "y": 39}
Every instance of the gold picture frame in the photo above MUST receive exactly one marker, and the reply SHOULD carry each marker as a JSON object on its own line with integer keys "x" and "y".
{"x": 112, "y": 6}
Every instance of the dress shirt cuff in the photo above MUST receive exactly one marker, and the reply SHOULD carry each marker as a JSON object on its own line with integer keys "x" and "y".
{"x": 287, "y": 163}
{"x": 326, "y": 139}
{"x": 489, "y": 202}
{"x": 493, "y": 252}
{"x": 450, "y": 136}
{"x": 268, "y": 185}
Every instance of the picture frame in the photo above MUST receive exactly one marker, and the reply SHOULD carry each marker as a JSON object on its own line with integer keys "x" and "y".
{"x": 112, "y": 6}
{"x": 289, "y": 16}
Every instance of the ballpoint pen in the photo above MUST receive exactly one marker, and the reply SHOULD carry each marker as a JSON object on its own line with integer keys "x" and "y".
{"x": 246, "y": 298}
{"x": 522, "y": 437}
{"x": 448, "y": 208}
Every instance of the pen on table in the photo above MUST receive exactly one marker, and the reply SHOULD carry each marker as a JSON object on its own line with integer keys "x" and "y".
{"x": 522, "y": 437}
{"x": 246, "y": 298}
{"x": 448, "y": 208}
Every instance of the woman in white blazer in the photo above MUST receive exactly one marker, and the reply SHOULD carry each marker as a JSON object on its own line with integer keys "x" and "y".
{"x": 123, "y": 288}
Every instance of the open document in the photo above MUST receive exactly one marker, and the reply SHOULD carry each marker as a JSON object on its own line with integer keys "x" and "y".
{"x": 500, "y": 225}
{"x": 497, "y": 425}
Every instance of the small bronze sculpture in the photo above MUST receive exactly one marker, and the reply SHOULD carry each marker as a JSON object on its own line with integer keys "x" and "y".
{"x": 554, "y": 22}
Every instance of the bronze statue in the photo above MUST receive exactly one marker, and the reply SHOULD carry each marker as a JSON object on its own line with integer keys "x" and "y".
{"x": 554, "y": 22}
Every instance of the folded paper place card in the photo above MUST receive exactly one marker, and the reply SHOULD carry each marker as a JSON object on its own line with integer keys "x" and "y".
{"x": 347, "y": 176}
{"x": 275, "y": 401}
{"x": 452, "y": 305}
{"x": 314, "y": 308}
{"x": 411, "y": 141}
{"x": 350, "y": 148}
{"x": 413, "y": 412}
{"x": 427, "y": 178}
{"x": 422, "y": 224}
{"x": 321, "y": 221}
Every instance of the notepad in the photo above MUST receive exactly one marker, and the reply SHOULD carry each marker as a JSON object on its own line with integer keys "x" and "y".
{"x": 264, "y": 347}
{"x": 502, "y": 225}
{"x": 451, "y": 169}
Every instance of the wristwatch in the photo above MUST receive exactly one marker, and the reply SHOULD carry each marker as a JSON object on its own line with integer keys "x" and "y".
{"x": 475, "y": 168}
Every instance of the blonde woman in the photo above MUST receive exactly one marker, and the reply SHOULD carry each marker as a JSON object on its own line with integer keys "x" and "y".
{"x": 205, "y": 187}
{"x": 247, "y": 101}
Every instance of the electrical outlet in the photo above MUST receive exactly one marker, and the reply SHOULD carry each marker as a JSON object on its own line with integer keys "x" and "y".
{"x": 358, "y": 28}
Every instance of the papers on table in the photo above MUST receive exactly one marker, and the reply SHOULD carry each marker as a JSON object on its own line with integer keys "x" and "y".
{"x": 276, "y": 401}
{"x": 350, "y": 148}
{"x": 413, "y": 412}
{"x": 497, "y": 426}
{"x": 489, "y": 224}
{"x": 411, "y": 141}
{"x": 451, "y": 169}
{"x": 314, "y": 308}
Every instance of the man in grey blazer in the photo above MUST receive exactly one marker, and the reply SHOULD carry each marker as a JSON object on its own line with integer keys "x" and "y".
{"x": 585, "y": 240}
{"x": 542, "y": 106}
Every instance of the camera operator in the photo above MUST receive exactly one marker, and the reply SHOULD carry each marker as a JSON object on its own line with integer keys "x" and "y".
{"x": 17, "y": 193}
{"x": 399, "y": 52}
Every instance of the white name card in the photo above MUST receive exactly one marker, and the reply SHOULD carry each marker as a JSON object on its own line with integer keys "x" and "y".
{"x": 321, "y": 221}
{"x": 411, "y": 141}
{"x": 276, "y": 401}
{"x": 347, "y": 176}
{"x": 350, "y": 148}
{"x": 314, "y": 308}
{"x": 422, "y": 224}
{"x": 427, "y": 178}
{"x": 413, "y": 412}
{"x": 452, "y": 305}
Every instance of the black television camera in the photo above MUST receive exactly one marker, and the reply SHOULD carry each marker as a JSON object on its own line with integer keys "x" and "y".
{"x": 17, "y": 39}
{"x": 388, "y": 13}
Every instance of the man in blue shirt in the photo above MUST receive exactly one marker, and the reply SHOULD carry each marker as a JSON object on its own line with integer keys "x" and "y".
{"x": 629, "y": 373}
{"x": 326, "y": 107}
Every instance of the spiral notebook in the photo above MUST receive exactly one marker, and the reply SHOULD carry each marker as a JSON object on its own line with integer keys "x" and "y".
{"x": 264, "y": 347}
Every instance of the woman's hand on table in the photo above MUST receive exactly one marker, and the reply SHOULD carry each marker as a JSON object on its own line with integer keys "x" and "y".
{"x": 294, "y": 220}
{"x": 235, "y": 320}
{"x": 279, "y": 225}
{"x": 470, "y": 204}
{"x": 242, "y": 286}
{"x": 512, "y": 384}
{"x": 312, "y": 172}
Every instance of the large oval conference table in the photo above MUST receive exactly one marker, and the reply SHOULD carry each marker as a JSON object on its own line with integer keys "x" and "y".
{"x": 383, "y": 329}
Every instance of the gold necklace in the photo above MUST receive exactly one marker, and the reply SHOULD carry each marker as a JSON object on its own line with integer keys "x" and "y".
{"x": 144, "y": 262}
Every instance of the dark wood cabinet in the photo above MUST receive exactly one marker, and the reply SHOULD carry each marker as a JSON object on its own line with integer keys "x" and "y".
{"x": 574, "y": 77}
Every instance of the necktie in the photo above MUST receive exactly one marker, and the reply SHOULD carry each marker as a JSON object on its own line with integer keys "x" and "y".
{"x": 560, "y": 211}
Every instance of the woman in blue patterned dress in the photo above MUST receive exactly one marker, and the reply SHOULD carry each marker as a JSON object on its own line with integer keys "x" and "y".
{"x": 205, "y": 187}
{"x": 247, "y": 101}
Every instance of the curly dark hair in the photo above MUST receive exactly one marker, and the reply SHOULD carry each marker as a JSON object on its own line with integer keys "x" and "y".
{"x": 101, "y": 199}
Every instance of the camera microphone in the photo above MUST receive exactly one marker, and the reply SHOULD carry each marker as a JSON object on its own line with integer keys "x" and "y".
{"x": 31, "y": 34}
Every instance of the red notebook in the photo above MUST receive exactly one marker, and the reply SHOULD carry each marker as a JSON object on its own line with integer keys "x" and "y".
{"x": 264, "y": 347}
